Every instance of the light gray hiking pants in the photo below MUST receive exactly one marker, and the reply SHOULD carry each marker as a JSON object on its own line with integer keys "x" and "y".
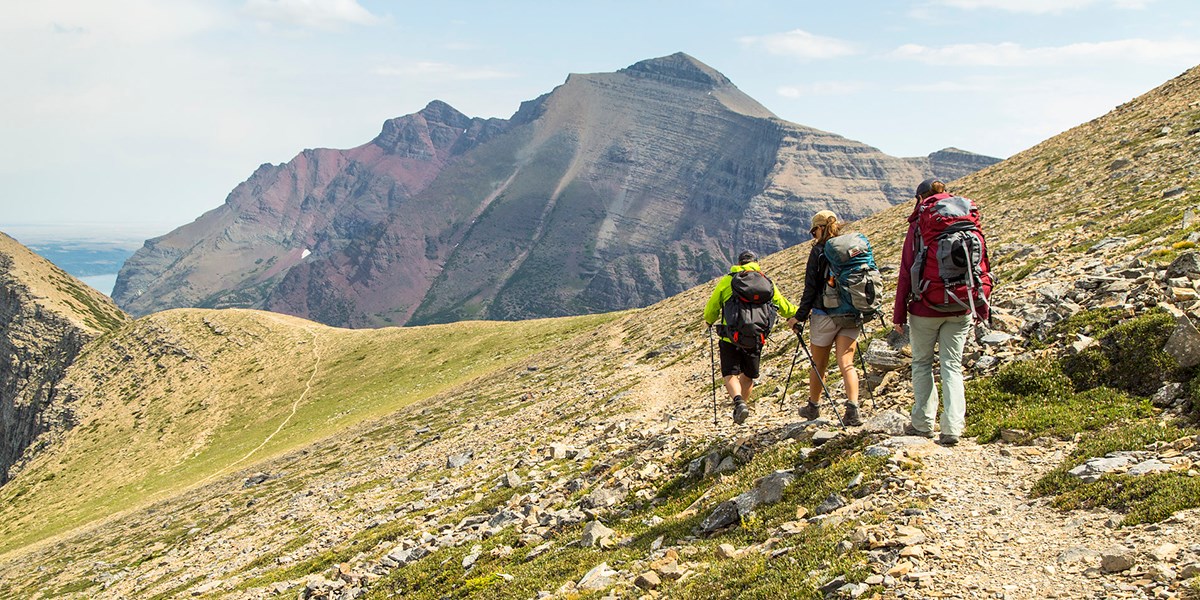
{"x": 950, "y": 334}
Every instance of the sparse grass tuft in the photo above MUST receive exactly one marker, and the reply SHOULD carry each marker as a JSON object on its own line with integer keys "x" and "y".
{"x": 1036, "y": 397}
{"x": 1129, "y": 356}
{"x": 1147, "y": 499}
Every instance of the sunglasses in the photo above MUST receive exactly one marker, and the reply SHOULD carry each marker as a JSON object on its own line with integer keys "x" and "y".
{"x": 814, "y": 230}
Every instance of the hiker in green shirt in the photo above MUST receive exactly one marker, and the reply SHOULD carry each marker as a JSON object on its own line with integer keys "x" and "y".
{"x": 740, "y": 360}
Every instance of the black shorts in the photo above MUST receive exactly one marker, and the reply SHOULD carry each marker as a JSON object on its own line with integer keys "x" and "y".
{"x": 735, "y": 361}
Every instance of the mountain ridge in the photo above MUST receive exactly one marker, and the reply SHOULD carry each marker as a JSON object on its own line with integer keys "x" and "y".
{"x": 443, "y": 217}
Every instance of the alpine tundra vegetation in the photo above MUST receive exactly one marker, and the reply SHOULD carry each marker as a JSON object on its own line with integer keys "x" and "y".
{"x": 242, "y": 454}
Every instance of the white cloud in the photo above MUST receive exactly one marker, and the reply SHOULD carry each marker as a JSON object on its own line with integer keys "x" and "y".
{"x": 822, "y": 88}
{"x": 429, "y": 70}
{"x": 1008, "y": 54}
{"x": 801, "y": 44}
{"x": 1039, "y": 7}
{"x": 311, "y": 14}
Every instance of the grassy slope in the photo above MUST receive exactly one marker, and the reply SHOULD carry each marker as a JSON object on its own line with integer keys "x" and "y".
{"x": 167, "y": 420}
{"x": 58, "y": 292}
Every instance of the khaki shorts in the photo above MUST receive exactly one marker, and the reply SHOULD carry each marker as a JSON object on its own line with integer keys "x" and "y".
{"x": 822, "y": 330}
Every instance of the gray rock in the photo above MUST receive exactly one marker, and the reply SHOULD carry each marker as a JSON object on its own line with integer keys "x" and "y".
{"x": 599, "y": 578}
{"x": 883, "y": 357}
{"x": 724, "y": 515}
{"x": 1175, "y": 191}
{"x": 1185, "y": 263}
{"x": 996, "y": 338}
{"x": 853, "y": 590}
{"x": 821, "y": 437}
{"x": 1109, "y": 243}
{"x": 1190, "y": 571}
{"x": 469, "y": 560}
{"x": 604, "y": 498}
{"x": 770, "y": 488}
{"x": 877, "y": 451}
{"x": 1149, "y": 466}
{"x": 832, "y": 586}
{"x": 1184, "y": 343}
{"x": 595, "y": 534}
{"x": 728, "y": 465}
{"x": 1091, "y": 470}
{"x": 255, "y": 479}
{"x": 511, "y": 480}
{"x": 832, "y": 503}
{"x": 986, "y": 363}
{"x": 556, "y": 451}
{"x": 457, "y": 461}
{"x": 1077, "y": 554}
{"x": 889, "y": 422}
{"x": 1116, "y": 559}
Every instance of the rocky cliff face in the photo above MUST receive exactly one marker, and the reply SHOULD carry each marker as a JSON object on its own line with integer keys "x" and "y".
{"x": 615, "y": 190}
{"x": 46, "y": 317}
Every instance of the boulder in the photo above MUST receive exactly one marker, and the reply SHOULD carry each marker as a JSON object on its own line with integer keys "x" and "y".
{"x": 599, "y": 578}
{"x": 1184, "y": 343}
{"x": 889, "y": 422}
{"x": 596, "y": 534}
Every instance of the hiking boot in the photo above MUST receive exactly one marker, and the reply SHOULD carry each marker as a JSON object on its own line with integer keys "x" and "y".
{"x": 851, "y": 418}
{"x": 910, "y": 430}
{"x": 948, "y": 440}
{"x": 810, "y": 412}
{"x": 740, "y": 412}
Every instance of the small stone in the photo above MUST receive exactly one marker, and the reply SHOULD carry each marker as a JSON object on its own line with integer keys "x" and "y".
{"x": 821, "y": 437}
{"x": 1165, "y": 552}
{"x": 648, "y": 581}
{"x": 599, "y": 578}
{"x": 511, "y": 480}
{"x": 457, "y": 461}
{"x": 832, "y": 503}
{"x": 1190, "y": 571}
{"x": 1115, "y": 560}
{"x": 596, "y": 534}
{"x": 726, "y": 551}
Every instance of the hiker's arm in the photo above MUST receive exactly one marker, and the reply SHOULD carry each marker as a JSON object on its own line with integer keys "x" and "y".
{"x": 904, "y": 281}
{"x": 786, "y": 309}
{"x": 712, "y": 310}
{"x": 812, "y": 285}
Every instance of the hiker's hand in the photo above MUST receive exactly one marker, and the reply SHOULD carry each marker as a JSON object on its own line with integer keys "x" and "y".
{"x": 900, "y": 328}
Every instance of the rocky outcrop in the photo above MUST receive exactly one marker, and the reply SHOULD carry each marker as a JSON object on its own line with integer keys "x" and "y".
{"x": 46, "y": 317}
{"x": 949, "y": 164}
{"x": 613, "y": 191}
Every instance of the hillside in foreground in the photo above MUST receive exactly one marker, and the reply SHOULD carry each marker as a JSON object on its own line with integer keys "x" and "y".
{"x": 592, "y": 465}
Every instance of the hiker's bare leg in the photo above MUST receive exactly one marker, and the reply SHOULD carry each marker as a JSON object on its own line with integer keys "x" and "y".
{"x": 739, "y": 385}
{"x": 845, "y": 360}
{"x": 820, "y": 355}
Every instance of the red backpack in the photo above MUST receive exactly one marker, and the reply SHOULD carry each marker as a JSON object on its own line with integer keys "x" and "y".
{"x": 950, "y": 272}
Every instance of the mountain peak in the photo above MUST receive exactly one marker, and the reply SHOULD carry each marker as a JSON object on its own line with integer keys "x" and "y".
{"x": 678, "y": 68}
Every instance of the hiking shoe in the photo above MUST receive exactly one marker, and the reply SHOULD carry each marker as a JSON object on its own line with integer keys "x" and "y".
{"x": 910, "y": 430}
{"x": 948, "y": 440}
{"x": 740, "y": 412}
{"x": 851, "y": 418}
{"x": 810, "y": 412}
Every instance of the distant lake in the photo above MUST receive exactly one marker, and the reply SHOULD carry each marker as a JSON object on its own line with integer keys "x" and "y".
{"x": 101, "y": 283}
{"x": 93, "y": 256}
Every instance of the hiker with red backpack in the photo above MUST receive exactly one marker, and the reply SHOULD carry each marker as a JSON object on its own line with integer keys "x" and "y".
{"x": 745, "y": 306}
{"x": 944, "y": 286}
{"x": 842, "y": 290}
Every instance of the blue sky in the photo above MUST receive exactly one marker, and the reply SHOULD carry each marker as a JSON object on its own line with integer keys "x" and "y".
{"x": 146, "y": 113}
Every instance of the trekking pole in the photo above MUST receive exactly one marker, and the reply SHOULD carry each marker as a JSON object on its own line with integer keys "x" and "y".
{"x": 713, "y": 373}
{"x": 788, "y": 381}
{"x": 863, "y": 362}
{"x": 821, "y": 378}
